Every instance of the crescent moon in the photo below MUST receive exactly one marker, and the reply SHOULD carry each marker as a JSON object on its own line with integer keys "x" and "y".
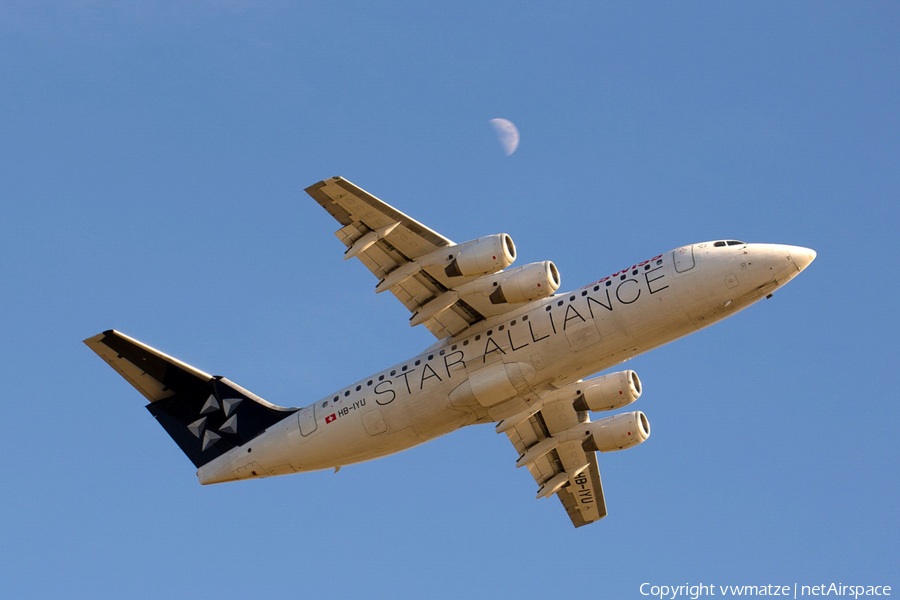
{"x": 507, "y": 134}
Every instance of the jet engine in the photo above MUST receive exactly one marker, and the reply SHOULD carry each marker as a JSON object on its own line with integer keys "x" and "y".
{"x": 609, "y": 392}
{"x": 525, "y": 284}
{"x": 617, "y": 432}
{"x": 482, "y": 256}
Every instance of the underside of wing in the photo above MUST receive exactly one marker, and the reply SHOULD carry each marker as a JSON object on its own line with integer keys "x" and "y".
{"x": 583, "y": 499}
{"x": 446, "y": 286}
{"x": 560, "y": 466}
{"x": 384, "y": 239}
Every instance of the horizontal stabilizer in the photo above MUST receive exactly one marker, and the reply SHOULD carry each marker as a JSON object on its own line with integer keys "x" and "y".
{"x": 152, "y": 373}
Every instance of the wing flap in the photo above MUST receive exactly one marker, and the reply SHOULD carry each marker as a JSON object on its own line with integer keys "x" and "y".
{"x": 582, "y": 495}
{"x": 349, "y": 204}
{"x": 581, "y": 510}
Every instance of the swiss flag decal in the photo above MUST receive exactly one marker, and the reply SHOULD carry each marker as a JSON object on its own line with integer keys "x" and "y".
{"x": 330, "y": 418}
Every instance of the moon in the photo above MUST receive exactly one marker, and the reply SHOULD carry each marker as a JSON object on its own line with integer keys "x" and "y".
{"x": 507, "y": 134}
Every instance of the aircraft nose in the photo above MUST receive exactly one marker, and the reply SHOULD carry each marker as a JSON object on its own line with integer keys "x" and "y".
{"x": 802, "y": 256}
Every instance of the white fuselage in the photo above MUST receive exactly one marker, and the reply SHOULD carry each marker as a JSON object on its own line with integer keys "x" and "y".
{"x": 547, "y": 343}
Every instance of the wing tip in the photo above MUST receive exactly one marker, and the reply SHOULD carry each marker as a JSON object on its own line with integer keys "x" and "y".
{"x": 97, "y": 338}
{"x": 319, "y": 184}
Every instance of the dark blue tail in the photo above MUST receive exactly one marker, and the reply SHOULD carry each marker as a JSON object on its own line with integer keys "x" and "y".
{"x": 205, "y": 415}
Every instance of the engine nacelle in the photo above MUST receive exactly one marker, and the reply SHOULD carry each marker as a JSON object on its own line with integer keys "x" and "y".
{"x": 525, "y": 284}
{"x": 617, "y": 432}
{"x": 482, "y": 256}
{"x": 609, "y": 392}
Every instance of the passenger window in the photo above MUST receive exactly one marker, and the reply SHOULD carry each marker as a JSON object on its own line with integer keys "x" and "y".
{"x": 359, "y": 387}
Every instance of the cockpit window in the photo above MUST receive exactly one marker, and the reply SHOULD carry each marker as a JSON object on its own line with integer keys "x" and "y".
{"x": 735, "y": 243}
{"x": 719, "y": 244}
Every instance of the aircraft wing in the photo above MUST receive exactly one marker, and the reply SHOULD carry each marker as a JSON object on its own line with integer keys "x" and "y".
{"x": 567, "y": 470}
{"x": 390, "y": 243}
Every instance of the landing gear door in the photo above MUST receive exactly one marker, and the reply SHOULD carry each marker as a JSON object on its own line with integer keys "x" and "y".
{"x": 684, "y": 259}
{"x": 307, "y": 420}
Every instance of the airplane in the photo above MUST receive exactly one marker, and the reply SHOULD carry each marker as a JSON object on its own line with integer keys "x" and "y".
{"x": 511, "y": 350}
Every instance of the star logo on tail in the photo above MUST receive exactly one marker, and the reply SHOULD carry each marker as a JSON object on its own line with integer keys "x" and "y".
{"x": 228, "y": 406}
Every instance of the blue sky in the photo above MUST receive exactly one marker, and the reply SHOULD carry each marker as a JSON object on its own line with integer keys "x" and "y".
{"x": 153, "y": 158}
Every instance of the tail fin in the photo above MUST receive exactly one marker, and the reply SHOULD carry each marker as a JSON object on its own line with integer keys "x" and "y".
{"x": 205, "y": 415}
